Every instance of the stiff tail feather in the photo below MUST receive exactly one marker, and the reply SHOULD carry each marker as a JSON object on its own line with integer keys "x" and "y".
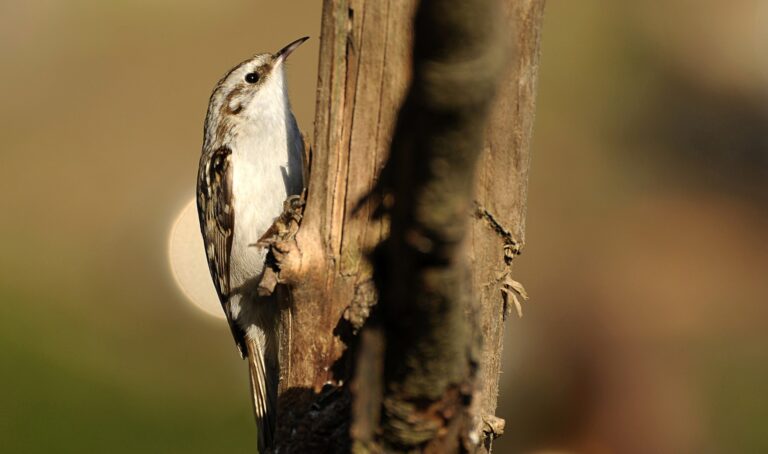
{"x": 262, "y": 368}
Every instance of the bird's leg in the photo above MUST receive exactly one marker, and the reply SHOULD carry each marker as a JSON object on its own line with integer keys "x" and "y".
{"x": 280, "y": 240}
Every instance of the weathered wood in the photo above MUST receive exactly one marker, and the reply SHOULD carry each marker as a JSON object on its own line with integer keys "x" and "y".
{"x": 501, "y": 191}
{"x": 364, "y": 71}
{"x": 423, "y": 277}
{"x": 363, "y": 74}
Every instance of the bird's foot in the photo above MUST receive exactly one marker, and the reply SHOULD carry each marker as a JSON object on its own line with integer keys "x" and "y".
{"x": 280, "y": 240}
{"x": 286, "y": 225}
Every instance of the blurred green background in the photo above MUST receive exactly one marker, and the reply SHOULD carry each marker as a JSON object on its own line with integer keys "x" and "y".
{"x": 646, "y": 257}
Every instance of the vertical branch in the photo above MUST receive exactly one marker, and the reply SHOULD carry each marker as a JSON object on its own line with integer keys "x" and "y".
{"x": 501, "y": 191}
{"x": 415, "y": 377}
{"x": 362, "y": 77}
{"x": 422, "y": 276}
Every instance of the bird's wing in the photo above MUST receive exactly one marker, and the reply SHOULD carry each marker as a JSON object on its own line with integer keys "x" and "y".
{"x": 217, "y": 221}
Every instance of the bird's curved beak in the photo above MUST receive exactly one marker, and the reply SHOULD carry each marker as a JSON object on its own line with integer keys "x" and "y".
{"x": 283, "y": 53}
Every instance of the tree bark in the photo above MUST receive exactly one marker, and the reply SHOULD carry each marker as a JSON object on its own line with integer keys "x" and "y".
{"x": 501, "y": 193}
{"x": 364, "y": 72}
{"x": 421, "y": 324}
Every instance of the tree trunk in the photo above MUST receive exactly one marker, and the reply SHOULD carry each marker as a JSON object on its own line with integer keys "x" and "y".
{"x": 364, "y": 72}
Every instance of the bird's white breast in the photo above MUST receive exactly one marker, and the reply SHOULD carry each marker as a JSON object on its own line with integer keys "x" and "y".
{"x": 267, "y": 166}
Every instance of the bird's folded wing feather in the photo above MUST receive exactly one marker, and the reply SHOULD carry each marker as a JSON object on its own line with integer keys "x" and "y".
{"x": 217, "y": 221}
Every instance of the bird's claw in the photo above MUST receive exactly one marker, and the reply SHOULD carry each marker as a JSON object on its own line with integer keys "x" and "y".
{"x": 280, "y": 240}
{"x": 286, "y": 225}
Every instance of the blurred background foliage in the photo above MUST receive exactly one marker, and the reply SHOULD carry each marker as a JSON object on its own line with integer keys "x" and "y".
{"x": 646, "y": 255}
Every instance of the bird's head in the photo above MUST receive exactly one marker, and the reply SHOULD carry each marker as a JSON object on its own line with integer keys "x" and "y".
{"x": 254, "y": 84}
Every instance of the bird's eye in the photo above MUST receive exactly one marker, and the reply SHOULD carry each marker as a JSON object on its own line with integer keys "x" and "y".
{"x": 252, "y": 78}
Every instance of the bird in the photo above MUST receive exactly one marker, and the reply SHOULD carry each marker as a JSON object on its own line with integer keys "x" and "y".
{"x": 251, "y": 162}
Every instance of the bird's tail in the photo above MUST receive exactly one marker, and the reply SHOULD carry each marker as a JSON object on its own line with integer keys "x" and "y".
{"x": 263, "y": 370}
